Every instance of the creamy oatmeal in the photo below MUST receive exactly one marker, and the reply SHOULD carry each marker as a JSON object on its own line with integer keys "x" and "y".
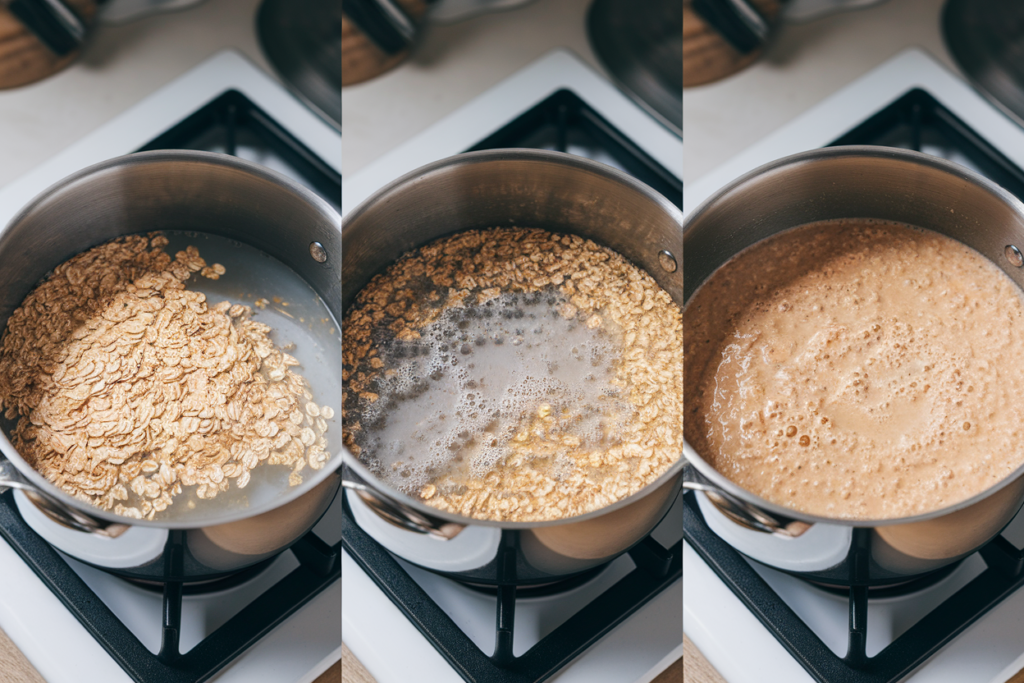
{"x": 514, "y": 374}
{"x": 126, "y": 386}
{"x": 857, "y": 370}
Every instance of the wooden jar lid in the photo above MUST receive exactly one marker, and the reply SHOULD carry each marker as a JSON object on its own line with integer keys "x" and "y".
{"x": 361, "y": 59}
{"x": 23, "y": 58}
{"x": 707, "y": 57}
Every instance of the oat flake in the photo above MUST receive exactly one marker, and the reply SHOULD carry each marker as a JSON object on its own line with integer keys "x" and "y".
{"x": 482, "y": 264}
{"x": 127, "y": 386}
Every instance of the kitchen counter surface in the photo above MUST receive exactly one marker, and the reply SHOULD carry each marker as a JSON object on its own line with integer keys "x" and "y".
{"x": 119, "y": 66}
{"x": 696, "y": 668}
{"x": 15, "y": 668}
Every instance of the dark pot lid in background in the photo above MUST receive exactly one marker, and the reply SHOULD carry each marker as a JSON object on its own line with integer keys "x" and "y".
{"x": 641, "y": 46}
{"x": 986, "y": 38}
{"x": 302, "y": 40}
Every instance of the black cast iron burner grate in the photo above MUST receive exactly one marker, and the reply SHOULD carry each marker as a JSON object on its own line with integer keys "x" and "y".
{"x": 1004, "y": 575}
{"x": 918, "y": 121}
{"x": 232, "y": 124}
{"x": 319, "y": 567}
{"x": 657, "y": 567}
{"x": 565, "y": 123}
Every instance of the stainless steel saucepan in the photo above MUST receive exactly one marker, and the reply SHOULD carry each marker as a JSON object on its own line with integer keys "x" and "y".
{"x": 525, "y": 188}
{"x": 260, "y": 213}
{"x": 835, "y": 183}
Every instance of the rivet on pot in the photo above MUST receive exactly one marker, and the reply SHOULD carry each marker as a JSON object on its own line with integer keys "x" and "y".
{"x": 668, "y": 261}
{"x": 317, "y": 251}
{"x": 1013, "y": 255}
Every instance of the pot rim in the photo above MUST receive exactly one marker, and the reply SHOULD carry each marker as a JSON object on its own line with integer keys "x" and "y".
{"x": 422, "y": 174}
{"x": 8, "y": 450}
{"x": 809, "y": 157}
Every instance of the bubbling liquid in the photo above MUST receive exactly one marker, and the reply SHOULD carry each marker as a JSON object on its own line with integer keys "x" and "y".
{"x": 452, "y": 401}
{"x": 857, "y": 369}
{"x": 513, "y": 374}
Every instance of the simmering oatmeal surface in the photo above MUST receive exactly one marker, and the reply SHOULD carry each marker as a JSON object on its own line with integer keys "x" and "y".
{"x": 857, "y": 370}
{"x": 514, "y": 374}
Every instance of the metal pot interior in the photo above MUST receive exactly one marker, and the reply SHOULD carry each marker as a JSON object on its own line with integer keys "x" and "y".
{"x": 505, "y": 188}
{"x": 850, "y": 182}
{"x": 201, "y": 193}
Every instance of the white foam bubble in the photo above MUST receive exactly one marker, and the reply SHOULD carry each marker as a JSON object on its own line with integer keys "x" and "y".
{"x": 455, "y": 398}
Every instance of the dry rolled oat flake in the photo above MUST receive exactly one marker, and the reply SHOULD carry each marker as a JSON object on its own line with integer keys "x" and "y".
{"x": 514, "y": 374}
{"x": 127, "y": 386}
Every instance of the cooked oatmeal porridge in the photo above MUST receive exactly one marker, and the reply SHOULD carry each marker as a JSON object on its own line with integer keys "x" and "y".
{"x": 857, "y": 370}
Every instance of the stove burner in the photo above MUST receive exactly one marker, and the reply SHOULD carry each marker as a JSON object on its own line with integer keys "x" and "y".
{"x": 565, "y": 123}
{"x": 894, "y": 591}
{"x": 919, "y": 122}
{"x": 656, "y": 568}
{"x": 233, "y": 124}
{"x": 544, "y": 590}
{"x": 320, "y": 566}
{"x": 207, "y": 587}
{"x": 1004, "y": 575}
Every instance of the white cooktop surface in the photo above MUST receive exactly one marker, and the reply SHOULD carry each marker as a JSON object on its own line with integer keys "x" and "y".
{"x": 714, "y": 619}
{"x": 56, "y": 644}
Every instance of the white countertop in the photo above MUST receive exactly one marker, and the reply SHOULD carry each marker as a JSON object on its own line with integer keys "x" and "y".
{"x": 119, "y": 66}
{"x": 450, "y": 65}
{"x": 802, "y": 65}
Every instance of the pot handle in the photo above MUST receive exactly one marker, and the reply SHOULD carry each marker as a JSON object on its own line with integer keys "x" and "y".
{"x": 398, "y": 513}
{"x": 741, "y": 512}
{"x": 59, "y": 512}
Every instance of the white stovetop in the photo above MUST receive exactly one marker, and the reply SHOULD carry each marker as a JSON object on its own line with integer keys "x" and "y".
{"x": 119, "y": 66}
